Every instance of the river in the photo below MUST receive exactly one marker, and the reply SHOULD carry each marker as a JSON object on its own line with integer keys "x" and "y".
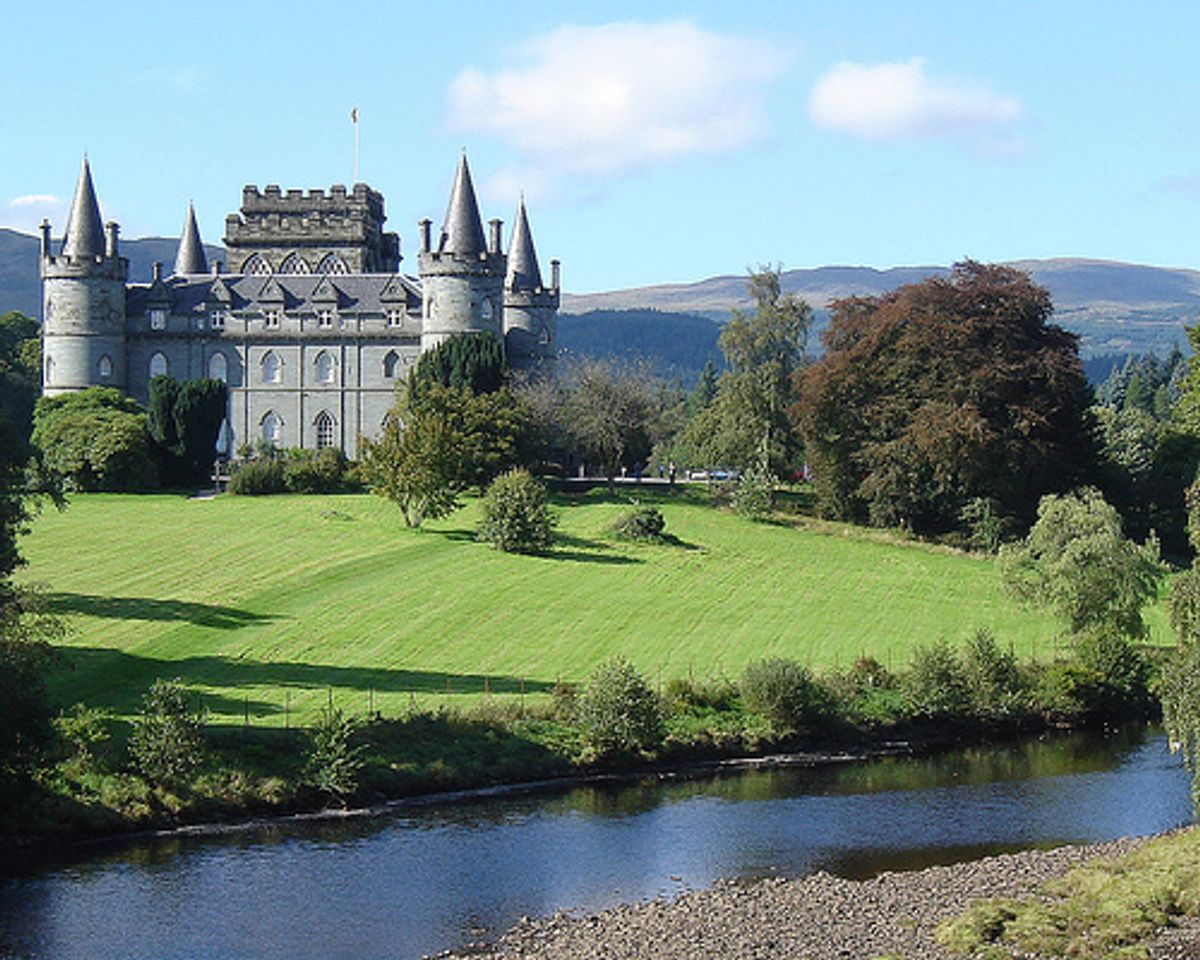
{"x": 419, "y": 879}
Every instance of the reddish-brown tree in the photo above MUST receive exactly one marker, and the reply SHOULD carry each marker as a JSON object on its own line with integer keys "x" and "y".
{"x": 942, "y": 392}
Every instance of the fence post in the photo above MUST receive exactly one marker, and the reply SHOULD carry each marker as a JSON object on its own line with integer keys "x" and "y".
{"x": 287, "y": 709}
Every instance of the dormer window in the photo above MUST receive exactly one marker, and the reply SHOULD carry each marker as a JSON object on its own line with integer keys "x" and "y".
{"x": 271, "y": 319}
{"x": 395, "y": 318}
{"x": 216, "y": 319}
{"x": 158, "y": 318}
{"x": 324, "y": 319}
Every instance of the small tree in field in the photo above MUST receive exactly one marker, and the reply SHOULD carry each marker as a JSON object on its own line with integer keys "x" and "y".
{"x": 618, "y": 710}
{"x": 516, "y": 514}
{"x": 1077, "y": 563}
{"x": 167, "y": 743}
{"x": 333, "y": 762}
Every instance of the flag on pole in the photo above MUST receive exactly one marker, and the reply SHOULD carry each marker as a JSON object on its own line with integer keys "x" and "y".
{"x": 354, "y": 115}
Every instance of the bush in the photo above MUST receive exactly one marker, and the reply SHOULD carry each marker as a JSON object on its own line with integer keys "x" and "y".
{"x": 83, "y": 730}
{"x": 333, "y": 763}
{"x": 754, "y": 495}
{"x": 617, "y": 710}
{"x": 640, "y": 523}
{"x": 166, "y": 744}
{"x": 95, "y": 439}
{"x": 994, "y": 681}
{"x": 1124, "y": 672}
{"x": 868, "y": 693}
{"x": 516, "y": 514}
{"x": 784, "y": 692}
{"x": 936, "y": 685}
{"x": 315, "y": 471}
{"x": 253, "y": 478}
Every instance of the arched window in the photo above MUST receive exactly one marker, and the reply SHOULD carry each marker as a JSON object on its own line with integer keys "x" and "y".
{"x": 326, "y": 430}
{"x": 272, "y": 429}
{"x": 332, "y": 263}
{"x": 158, "y": 365}
{"x": 49, "y": 369}
{"x": 390, "y": 362}
{"x": 104, "y": 367}
{"x": 294, "y": 263}
{"x": 272, "y": 367}
{"x": 218, "y": 368}
{"x": 256, "y": 265}
{"x": 486, "y": 310}
{"x": 324, "y": 365}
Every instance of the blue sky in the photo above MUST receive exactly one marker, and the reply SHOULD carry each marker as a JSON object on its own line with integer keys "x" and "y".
{"x": 655, "y": 142}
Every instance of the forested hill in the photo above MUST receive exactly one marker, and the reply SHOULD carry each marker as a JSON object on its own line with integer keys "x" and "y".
{"x": 19, "y": 282}
{"x": 1116, "y": 308}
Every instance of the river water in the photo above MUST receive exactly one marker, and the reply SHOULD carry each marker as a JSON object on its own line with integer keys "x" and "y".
{"x": 422, "y": 879}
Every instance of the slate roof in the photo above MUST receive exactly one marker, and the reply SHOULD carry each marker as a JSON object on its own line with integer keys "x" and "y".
{"x": 523, "y": 271}
{"x": 190, "y": 258}
{"x": 462, "y": 232}
{"x": 365, "y": 292}
{"x": 84, "y": 235}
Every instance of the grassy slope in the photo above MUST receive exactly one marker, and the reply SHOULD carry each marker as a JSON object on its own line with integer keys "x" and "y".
{"x": 262, "y": 602}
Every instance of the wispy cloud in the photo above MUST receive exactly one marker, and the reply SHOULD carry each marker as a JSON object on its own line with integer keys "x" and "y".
{"x": 896, "y": 101}
{"x": 25, "y": 212}
{"x": 609, "y": 98}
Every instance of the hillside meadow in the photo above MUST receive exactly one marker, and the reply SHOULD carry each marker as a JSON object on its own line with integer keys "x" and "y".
{"x": 270, "y": 607}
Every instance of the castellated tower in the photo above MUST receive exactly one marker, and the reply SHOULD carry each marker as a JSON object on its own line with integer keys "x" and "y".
{"x": 529, "y": 308}
{"x": 463, "y": 277}
{"x": 83, "y": 305}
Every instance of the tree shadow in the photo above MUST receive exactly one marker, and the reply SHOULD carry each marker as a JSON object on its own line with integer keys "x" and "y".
{"x": 147, "y": 608}
{"x": 114, "y": 673}
{"x": 583, "y": 550}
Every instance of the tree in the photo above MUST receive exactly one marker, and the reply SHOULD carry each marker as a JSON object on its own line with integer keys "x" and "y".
{"x": 464, "y": 361}
{"x": 607, "y": 413}
{"x": 747, "y": 418}
{"x": 618, "y": 710}
{"x": 415, "y": 465}
{"x": 167, "y": 743}
{"x": 95, "y": 439}
{"x": 516, "y": 514}
{"x": 333, "y": 762}
{"x": 20, "y": 372}
{"x": 26, "y": 655}
{"x": 941, "y": 392}
{"x": 1077, "y": 563}
{"x": 184, "y": 420}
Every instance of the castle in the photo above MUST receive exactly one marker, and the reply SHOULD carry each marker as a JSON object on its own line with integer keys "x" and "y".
{"x": 313, "y": 325}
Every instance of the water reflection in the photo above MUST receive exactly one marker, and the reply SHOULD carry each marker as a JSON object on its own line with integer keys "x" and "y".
{"x": 426, "y": 878}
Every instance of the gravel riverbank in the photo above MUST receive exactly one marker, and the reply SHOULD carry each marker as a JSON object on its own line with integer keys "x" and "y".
{"x": 819, "y": 917}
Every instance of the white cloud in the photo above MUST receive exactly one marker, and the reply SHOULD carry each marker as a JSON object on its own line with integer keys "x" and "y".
{"x": 621, "y": 95}
{"x": 24, "y": 213}
{"x": 891, "y": 101}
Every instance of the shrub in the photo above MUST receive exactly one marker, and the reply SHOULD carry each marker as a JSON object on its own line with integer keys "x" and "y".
{"x": 333, "y": 762}
{"x": 867, "y": 692}
{"x": 516, "y": 515}
{"x": 166, "y": 744}
{"x": 1123, "y": 669}
{"x": 994, "y": 681}
{"x": 95, "y": 439}
{"x": 319, "y": 471}
{"x": 83, "y": 730}
{"x": 784, "y": 692}
{"x": 936, "y": 685}
{"x": 754, "y": 495}
{"x": 617, "y": 710}
{"x": 640, "y": 523}
{"x": 253, "y": 478}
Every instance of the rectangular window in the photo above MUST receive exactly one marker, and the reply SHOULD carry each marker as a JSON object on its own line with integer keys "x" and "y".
{"x": 325, "y": 318}
{"x": 395, "y": 318}
{"x": 216, "y": 319}
{"x": 271, "y": 319}
{"x": 158, "y": 319}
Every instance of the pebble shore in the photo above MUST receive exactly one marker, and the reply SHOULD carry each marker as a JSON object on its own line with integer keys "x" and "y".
{"x": 818, "y": 917}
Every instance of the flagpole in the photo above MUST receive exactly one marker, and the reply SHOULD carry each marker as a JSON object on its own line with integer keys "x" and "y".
{"x": 354, "y": 120}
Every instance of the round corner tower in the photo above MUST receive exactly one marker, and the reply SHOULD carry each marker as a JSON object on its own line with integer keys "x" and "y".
{"x": 529, "y": 307}
{"x": 83, "y": 300}
{"x": 463, "y": 278}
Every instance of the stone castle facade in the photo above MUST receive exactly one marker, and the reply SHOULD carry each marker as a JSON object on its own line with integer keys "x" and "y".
{"x": 313, "y": 325}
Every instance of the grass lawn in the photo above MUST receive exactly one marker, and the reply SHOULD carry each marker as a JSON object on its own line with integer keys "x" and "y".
{"x": 268, "y": 606}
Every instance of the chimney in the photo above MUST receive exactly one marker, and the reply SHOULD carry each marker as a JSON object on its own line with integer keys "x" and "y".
{"x": 216, "y": 268}
{"x": 425, "y": 226}
{"x": 496, "y": 226}
{"x": 45, "y": 239}
{"x": 554, "y": 265}
{"x": 156, "y": 271}
{"x": 111, "y": 230}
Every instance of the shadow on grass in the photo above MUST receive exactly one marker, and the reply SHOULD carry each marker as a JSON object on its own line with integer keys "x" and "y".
{"x": 147, "y": 608}
{"x": 117, "y": 679}
{"x": 580, "y": 549}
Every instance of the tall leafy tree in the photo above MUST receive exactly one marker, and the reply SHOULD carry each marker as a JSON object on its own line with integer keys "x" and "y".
{"x": 20, "y": 373}
{"x": 465, "y": 361}
{"x": 608, "y": 412}
{"x": 942, "y": 392}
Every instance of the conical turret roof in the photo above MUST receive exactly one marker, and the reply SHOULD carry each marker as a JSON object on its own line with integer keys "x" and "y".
{"x": 523, "y": 271}
{"x": 84, "y": 236}
{"x": 462, "y": 231}
{"x": 190, "y": 258}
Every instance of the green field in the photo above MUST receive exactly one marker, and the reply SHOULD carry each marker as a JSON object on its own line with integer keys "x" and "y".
{"x": 268, "y": 606}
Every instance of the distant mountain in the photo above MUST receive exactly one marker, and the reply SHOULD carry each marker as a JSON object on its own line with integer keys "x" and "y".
{"x": 20, "y": 286}
{"x": 1114, "y": 307}
{"x": 674, "y": 345}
